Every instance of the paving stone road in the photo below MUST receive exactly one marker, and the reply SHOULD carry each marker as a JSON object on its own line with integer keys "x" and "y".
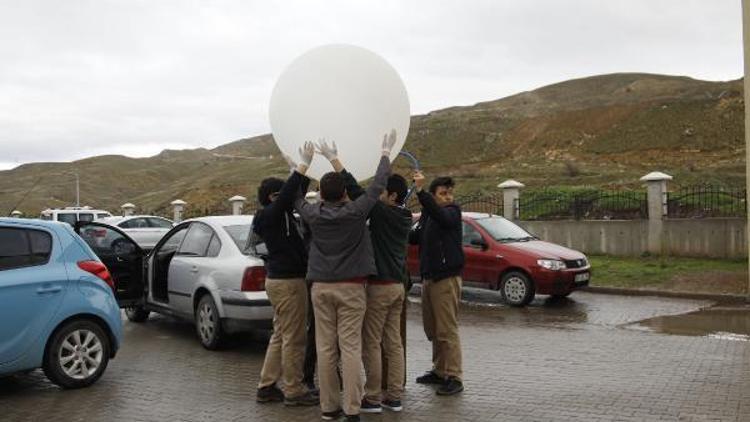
{"x": 580, "y": 359}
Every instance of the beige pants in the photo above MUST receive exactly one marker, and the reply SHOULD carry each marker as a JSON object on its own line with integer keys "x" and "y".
{"x": 339, "y": 310}
{"x": 383, "y": 324}
{"x": 285, "y": 354}
{"x": 440, "y": 317}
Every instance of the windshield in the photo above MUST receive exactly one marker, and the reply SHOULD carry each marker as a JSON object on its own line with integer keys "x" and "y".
{"x": 503, "y": 230}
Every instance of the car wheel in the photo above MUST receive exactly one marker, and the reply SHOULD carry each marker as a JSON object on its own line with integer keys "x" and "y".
{"x": 516, "y": 289}
{"x": 137, "y": 313}
{"x": 208, "y": 323}
{"x": 77, "y": 354}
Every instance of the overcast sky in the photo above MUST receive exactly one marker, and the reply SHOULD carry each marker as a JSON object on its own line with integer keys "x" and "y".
{"x": 82, "y": 78}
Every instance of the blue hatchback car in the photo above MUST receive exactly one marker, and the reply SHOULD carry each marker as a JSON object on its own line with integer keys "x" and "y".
{"x": 57, "y": 306}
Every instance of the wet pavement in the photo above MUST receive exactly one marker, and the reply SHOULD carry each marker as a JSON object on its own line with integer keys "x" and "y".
{"x": 586, "y": 358}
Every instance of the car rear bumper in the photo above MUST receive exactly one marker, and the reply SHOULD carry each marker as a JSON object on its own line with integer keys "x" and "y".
{"x": 246, "y": 306}
{"x": 561, "y": 282}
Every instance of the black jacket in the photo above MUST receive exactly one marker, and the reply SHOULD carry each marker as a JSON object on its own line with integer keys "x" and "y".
{"x": 438, "y": 234}
{"x": 389, "y": 231}
{"x": 278, "y": 227}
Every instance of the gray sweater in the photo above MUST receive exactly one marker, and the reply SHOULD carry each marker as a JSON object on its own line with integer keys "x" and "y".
{"x": 340, "y": 248}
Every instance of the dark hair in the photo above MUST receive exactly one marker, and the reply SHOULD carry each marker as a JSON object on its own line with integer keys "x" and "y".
{"x": 332, "y": 187}
{"x": 267, "y": 187}
{"x": 446, "y": 181}
{"x": 397, "y": 184}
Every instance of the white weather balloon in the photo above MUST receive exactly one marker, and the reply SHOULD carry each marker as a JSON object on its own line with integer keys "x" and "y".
{"x": 341, "y": 93}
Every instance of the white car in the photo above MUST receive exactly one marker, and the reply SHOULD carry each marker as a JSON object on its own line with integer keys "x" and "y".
{"x": 146, "y": 230}
{"x": 200, "y": 271}
{"x": 72, "y": 215}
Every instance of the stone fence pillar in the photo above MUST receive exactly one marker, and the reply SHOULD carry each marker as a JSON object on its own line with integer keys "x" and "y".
{"x": 16, "y": 214}
{"x": 238, "y": 202}
{"x": 127, "y": 209}
{"x": 657, "y": 209}
{"x": 511, "y": 193}
{"x": 178, "y": 205}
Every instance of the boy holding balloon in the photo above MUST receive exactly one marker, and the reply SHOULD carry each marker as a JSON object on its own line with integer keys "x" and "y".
{"x": 339, "y": 264}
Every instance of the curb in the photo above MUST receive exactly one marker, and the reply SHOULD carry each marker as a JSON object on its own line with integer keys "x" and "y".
{"x": 661, "y": 293}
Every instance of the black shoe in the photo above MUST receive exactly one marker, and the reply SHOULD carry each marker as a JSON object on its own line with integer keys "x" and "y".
{"x": 331, "y": 416}
{"x": 353, "y": 418}
{"x": 368, "y": 407}
{"x": 392, "y": 405}
{"x": 307, "y": 399}
{"x": 452, "y": 386}
{"x": 430, "y": 377}
{"x": 269, "y": 394}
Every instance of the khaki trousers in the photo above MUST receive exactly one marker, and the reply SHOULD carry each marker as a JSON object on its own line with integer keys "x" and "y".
{"x": 286, "y": 350}
{"x": 383, "y": 324}
{"x": 339, "y": 311}
{"x": 440, "y": 317}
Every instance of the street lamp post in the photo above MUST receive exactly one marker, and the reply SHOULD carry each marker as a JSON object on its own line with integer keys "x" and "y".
{"x": 746, "y": 50}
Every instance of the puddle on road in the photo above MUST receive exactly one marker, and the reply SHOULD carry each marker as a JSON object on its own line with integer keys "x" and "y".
{"x": 718, "y": 323}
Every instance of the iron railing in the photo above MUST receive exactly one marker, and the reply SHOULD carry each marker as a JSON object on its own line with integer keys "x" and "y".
{"x": 590, "y": 205}
{"x": 703, "y": 201}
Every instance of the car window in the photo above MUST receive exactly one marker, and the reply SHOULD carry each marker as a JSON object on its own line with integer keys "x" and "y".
{"x": 159, "y": 223}
{"x": 98, "y": 216}
{"x": 41, "y": 246}
{"x": 214, "y": 246}
{"x": 107, "y": 242}
{"x": 86, "y": 217}
{"x": 47, "y": 217}
{"x": 239, "y": 233}
{"x": 469, "y": 234}
{"x": 23, "y": 247}
{"x": 196, "y": 241}
{"x": 135, "y": 223}
{"x": 69, "y": 218}
{"x": 173, "y": 241}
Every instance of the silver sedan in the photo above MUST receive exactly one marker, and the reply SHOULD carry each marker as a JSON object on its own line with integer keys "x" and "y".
{"x": 201, "y": 270}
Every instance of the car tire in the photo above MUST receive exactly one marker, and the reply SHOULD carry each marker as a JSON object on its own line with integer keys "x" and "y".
{"x": 137, "y": 314}
{"x": 517, "y": 289}
{"x": 208, "y": 323}
{"x": 77, "y": 354}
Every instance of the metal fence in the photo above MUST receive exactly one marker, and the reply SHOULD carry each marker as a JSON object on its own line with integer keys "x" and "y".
{"x": 707, "y": 201}
{"x": 590, "y": 205}
{"x": 491, "y": 203}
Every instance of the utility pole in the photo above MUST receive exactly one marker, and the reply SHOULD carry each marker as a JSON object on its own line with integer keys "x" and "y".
{"x": 746, "y": 50}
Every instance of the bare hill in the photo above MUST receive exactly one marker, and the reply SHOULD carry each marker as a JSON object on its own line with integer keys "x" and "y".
{"x": 603, "y": 131}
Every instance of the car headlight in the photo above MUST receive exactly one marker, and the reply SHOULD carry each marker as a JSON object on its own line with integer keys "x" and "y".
{"x": 551, "y": 264}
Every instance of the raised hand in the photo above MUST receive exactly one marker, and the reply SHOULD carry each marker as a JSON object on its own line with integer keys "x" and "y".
{"x": 389, "y": 141}
{"x": 419, "y": 179}
{"x": 330, "y": 152}
{"x": 306, "y": 153}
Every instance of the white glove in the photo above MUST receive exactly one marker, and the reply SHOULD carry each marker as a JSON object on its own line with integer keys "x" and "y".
{"x": 389, "y": 141}
{"x": 306, "y": 153}
{"x": 331, "y": 152}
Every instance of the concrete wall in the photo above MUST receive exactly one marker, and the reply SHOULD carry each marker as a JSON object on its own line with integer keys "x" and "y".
{"x": 611, "y": 237}
{"x": 711, "y": 237}
{"x": 715, "y": 237}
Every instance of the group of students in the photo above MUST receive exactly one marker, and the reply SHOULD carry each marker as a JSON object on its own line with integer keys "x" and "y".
{"x": 353, "y": 274}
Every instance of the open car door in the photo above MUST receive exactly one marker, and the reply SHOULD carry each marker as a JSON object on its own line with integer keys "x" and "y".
{"x": 122, "y": 256}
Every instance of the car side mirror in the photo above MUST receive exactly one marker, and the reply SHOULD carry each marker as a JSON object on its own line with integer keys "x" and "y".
{"x": 480, "y": 242}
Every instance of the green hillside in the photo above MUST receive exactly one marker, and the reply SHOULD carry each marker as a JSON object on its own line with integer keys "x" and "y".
{"x": 603, "y": 131}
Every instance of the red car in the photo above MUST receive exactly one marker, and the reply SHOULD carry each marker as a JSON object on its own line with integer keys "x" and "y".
{"x": 502, "y": 256}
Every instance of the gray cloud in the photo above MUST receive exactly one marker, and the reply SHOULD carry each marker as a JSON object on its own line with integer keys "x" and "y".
{"x": 79, "y": 78}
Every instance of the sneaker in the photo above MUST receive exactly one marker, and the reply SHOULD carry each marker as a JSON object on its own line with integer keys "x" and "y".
{"x": 353, "y": 418}
{"x": 452, "y": 386}
{"x": 392, "y": 405}
{"x": 307, "y": 399}
{"x": 368, "y": 407}
{"x": 269, "y": 394}
{"x": 430, "y": 377}
{"x": 331, "y": 416}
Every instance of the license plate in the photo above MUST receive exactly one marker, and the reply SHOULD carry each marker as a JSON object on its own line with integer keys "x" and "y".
{"x": 582, "y": 276}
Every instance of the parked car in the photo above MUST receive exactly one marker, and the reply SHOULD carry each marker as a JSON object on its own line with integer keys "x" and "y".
{"x": 57, "y": 305}
{"x": 200, "y": 271}
{"x": 72, "y": 215}
{"x": 500, "y": 255}
{"x": 146, "y": 230}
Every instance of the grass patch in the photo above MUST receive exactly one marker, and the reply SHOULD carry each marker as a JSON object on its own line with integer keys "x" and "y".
{"x": 671, "y": 273}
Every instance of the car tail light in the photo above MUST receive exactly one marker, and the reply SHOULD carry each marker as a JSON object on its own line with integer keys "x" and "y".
{"x": 98, "y": 269}
{"x": 254, "y": 279}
